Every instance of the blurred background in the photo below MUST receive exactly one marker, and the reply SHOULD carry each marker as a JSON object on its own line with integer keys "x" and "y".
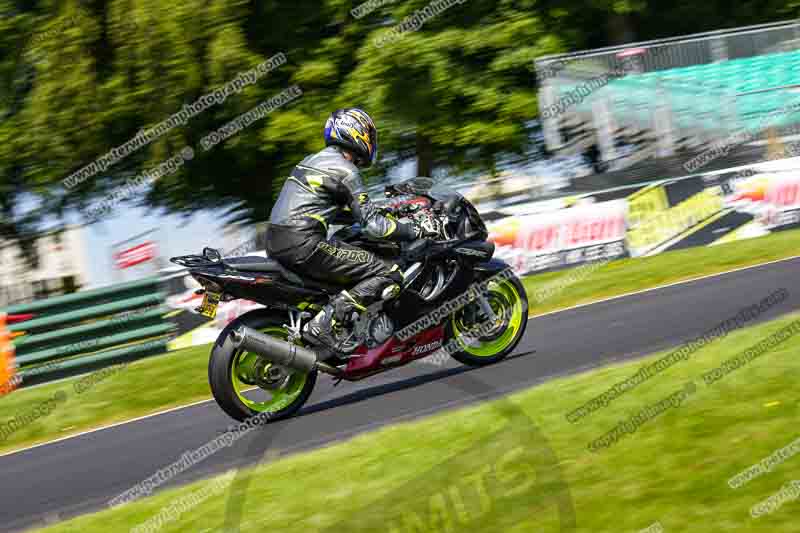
{"x": 615, "y": 149}
{"x": 581, "y": 130}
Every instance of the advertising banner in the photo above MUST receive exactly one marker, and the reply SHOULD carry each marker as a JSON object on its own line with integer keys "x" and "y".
{"x": 547, "y": 241}
{"x": 772, "y": 199}
{"x": 134, "y": 256}
{"x": 660, "y": 227}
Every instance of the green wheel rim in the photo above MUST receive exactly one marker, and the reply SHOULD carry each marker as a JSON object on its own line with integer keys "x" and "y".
{"x": 244, "y": 366}
{"x": 505, "y": 302}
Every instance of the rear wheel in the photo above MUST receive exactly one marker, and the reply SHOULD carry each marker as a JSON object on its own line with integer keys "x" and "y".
{"x": 481, "y": 341}
{"x": 245, "y": 384}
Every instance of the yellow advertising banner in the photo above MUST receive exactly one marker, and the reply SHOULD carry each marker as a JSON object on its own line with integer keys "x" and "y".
{"x": 646, "y": 203}
{"x": 659, "y": 226}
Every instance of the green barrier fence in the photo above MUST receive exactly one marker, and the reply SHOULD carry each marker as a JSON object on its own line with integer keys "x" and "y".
{"x": 84, "y": 331}
{"x": 72, "y": 317}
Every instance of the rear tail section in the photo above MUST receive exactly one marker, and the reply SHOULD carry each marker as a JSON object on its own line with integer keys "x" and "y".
{"x": 256, "y": 279}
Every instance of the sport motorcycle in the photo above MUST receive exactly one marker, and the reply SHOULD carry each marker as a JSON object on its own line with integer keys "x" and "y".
{"x": 455, "y": 300}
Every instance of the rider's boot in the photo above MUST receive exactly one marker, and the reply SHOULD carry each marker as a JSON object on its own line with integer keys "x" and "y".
{"x": 320, "y": 331}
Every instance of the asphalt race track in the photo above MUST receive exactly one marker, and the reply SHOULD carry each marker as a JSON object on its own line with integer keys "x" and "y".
{"x": 80, "y": 474}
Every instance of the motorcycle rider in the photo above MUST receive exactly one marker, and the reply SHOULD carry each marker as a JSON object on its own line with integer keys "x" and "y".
{"x": 319, "y": 188}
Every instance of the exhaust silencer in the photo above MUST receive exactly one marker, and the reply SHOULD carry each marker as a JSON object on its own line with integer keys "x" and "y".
{"x": 278, "y": 351}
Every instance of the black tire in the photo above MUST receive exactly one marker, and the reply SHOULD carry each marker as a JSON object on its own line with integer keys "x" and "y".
{"x": 220, "y": 365}
{"x": 470, "y": 359}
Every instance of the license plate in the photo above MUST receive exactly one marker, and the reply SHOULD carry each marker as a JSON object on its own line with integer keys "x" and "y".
{"x": 209, "y": 306}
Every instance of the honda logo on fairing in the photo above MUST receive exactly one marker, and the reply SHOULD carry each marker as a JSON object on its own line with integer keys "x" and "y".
{"x": 426, "y": 347}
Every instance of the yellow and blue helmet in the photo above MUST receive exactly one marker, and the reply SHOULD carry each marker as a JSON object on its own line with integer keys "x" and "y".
{"x": 354, "y": 130}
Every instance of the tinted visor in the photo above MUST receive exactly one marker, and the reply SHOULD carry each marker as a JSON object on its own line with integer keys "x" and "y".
{"x": 373, "y": 138}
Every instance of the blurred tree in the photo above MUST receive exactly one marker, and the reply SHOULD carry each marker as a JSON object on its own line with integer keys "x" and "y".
{"x": 82, "y": 77}
{"x": 459, "y": 92}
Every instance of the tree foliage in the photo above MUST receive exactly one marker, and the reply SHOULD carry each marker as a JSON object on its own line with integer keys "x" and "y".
{"x": 82, "y": 77}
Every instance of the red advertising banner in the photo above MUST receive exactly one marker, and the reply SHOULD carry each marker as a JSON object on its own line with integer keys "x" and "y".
{"x": 773, "y": 199}
{"x": 589, "y": 232}
{"x": 134, "y": 256}
{"x": 782, "y": 199}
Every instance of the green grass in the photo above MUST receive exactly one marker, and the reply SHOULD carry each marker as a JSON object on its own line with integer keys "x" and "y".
{"x": 143, "y": 387}
{"x": 180, "y": 378}
{"x": 673, "y": 470}
{"x": 634, "y": 274}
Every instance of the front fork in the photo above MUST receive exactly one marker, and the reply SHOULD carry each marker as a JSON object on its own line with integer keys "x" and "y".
{"x": 486, "y": 307}
{"x": 490, "y": 269}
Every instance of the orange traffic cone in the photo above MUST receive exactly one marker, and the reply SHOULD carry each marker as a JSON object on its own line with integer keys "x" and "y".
{"x": 8, "y": 367}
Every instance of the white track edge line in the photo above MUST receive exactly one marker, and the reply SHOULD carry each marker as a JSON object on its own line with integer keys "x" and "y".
{"x": 101, "y": 428}
{"x": 611, "y": 298}
{"x": 666, "y": 286}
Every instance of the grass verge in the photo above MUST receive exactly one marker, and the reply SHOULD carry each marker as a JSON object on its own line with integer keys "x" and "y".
{"x": 485, "y": 468}
{"x": 180, "y": 378}
{"x": 559, "y": 290}
{"x": 146, "y": 386}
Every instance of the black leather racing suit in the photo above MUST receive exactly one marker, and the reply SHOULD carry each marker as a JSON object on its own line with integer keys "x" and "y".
{"x": 319, "y": 188}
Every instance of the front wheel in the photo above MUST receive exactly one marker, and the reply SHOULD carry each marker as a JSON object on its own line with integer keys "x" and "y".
{"x": 245, "y": 384}
{"x": 477, "y": 340}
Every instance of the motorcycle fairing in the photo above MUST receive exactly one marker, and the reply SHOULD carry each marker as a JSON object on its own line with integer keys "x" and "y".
{"x": 366, "y": 362}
